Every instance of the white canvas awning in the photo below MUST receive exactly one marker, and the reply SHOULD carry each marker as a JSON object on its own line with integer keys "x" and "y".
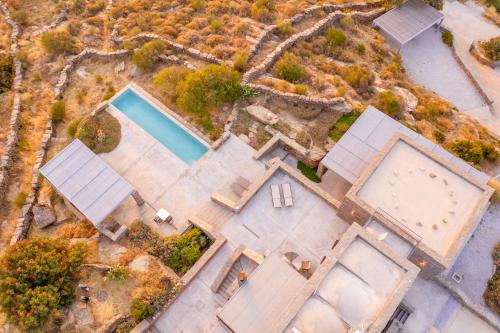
{"x": 409, "y": 20}
{"x": 88, "y": 182}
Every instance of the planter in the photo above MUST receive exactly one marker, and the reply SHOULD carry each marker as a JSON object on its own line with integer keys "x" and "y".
{"x": 476, "y": 51}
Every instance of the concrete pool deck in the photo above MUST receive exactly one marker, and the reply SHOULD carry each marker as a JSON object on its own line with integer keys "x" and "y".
{"x": 165, "y": 181}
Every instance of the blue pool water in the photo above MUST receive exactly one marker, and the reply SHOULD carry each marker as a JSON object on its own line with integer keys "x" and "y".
{"x": 158, "y": 125}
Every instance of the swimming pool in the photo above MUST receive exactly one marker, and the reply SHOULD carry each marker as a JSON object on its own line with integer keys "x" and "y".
{"x": 164, "y": 129}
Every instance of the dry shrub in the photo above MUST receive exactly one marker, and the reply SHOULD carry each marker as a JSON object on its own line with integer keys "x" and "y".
{"x": 83, "y": 229}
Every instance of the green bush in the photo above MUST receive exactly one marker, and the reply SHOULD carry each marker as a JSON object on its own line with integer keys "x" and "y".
{"x": 447, "y": 37}
{"x": 101, "y": 133}
{"x": 361, "y": 48}
{"x": 20, "y": 16}
{"x": 6, "y": 72}
{"x": 73, "y": 127}
{"x": 439, "y": 136}
{"x": 389, "y": 103}
{"x": 197, "y": 4}
{"x": 240, "y": 60}
{"x": 110, "y": 92}
{"x": 492, "y": 48}
{"x": 208, "y": 87}
{"x": 300, "y": 89}
{"x": 57, "y": 111}
{"x": 58, "y": 42}
{"x": 492, "y": 292}
{"x": 489, "y": 152}
{"x": 180, "y": 252}
{"x": 335, "y": 37}
{"x": 37, "y": 279}
{"x": 216, "y": 25}
{"x": 140, "y": 310}
{"x": 285, "y": 29}
{"x": 168, "y": 80}
{"x": 289, "y": 68}
{"x": 263, "y": 10}
{"x": 308, "y": 171}
{"x": 470, "y": 151}
{"x": 148, "y": 55}
{"x": 125, "y": 327}
{"x": 343, "y": 124}
{"x": 494, "y": 3}
{"x": 117, "y": 273}
{"x": 360, "y": 78}
{"x": 19, "y": 199}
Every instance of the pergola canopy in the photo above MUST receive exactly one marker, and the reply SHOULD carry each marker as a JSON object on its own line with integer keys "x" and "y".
{"x": 88, "y": 182}
{"x": 409, "y": 20}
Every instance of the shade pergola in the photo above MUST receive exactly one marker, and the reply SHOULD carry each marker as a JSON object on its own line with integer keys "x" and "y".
{"x": 88, "y": 182}
{"x": 409, "y": 20}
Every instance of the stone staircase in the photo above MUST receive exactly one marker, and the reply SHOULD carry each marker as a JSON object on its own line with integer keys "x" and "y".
{"x": 243, "y": 264}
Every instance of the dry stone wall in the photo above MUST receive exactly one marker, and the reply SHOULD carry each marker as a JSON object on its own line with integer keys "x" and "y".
{"x": 272, "y": 29}
{"x": 313, "y": 31}
{"x": 10, "y": 145}
{"x": 77, "y": 59}
{"x": 173, "y": 45}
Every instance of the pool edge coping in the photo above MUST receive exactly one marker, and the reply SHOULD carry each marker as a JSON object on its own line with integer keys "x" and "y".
{"x": 203, "y": 139}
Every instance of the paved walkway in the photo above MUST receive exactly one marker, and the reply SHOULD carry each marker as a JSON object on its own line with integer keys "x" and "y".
{"x": 467, "y": 24}
{"x": 430, "y": 63}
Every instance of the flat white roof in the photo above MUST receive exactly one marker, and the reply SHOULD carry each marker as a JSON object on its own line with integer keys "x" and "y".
{"x": 409, "y": 20}
{"x": 353, "y": 292}
{"x": 368, "y": 136}
{"x": 88, "y": 182}
{"x": 422, "y": 195}
{"x": 258, "y": 304}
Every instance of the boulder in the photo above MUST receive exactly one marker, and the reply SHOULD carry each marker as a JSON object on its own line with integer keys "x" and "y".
{"x": 140, "y": 263}
{"x": 410, "y": 100}
{"x": 43, "y": 216}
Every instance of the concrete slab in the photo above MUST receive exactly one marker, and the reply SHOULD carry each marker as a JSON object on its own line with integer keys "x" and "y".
{"x": 463, "y": 320}
{"x": 430, "y": 62}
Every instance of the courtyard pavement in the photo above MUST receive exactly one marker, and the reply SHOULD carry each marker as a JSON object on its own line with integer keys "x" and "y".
{"x": 475, "y": 263}
{"x": 165, "y": 181}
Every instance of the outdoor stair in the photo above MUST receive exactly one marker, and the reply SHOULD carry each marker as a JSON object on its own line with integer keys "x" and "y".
{"x": 243, "y": 264}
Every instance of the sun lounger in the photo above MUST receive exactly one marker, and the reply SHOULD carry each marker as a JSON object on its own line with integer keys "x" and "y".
{"x": 287, "y": 194}
{"x": 243, "y": 182}
{"x": 275, "y": 193}
{"x": 238, "y": 189}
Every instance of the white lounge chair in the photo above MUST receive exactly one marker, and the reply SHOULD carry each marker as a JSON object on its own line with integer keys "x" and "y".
{"x": 275, "y": 193}
{"x": 287, "y": 194}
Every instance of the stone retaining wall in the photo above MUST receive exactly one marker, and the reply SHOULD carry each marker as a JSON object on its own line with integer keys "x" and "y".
{"x": 75, "y": 60}
{"x": 59, "y": 19}
{"x": 173, "y": 45}
{"x": 272, "y": 29}
{"x": 313, "y": 31}
{"x": 10, "y": 145}
{"x": 337, "y": 104}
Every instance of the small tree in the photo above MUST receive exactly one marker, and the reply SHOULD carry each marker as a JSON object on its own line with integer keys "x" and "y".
{"x": 169, "y": 78}
{"x": 470, "y": 151}
{"x": 37, "y": 278}
{"x": 58, "y": 42}
{"x": 447, "y": 37}
{"x": 146, "y": 57}
{"x": 289, "y": 68}
{"x": 208, "y": 87}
